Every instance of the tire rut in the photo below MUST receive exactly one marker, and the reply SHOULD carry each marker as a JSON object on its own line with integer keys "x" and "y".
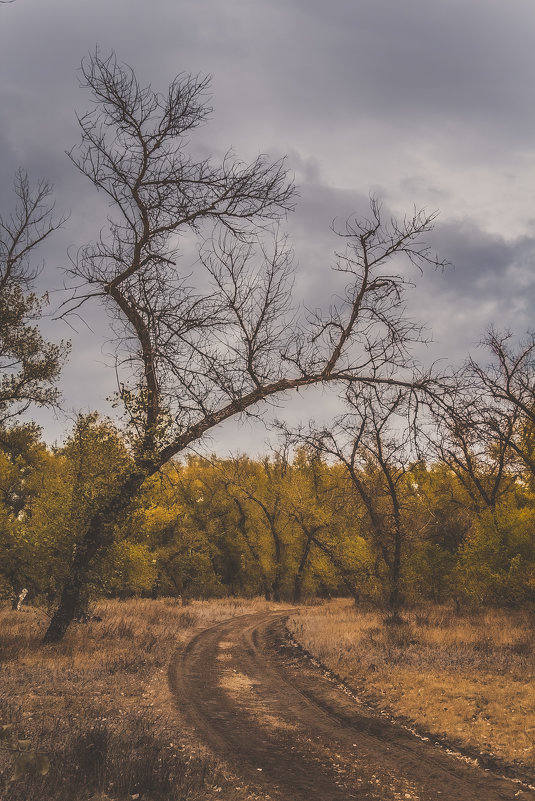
{"x": 292, "y": 733}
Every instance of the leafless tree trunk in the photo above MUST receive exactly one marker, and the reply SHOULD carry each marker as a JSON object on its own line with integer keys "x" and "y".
{"x": 197, "y": 348}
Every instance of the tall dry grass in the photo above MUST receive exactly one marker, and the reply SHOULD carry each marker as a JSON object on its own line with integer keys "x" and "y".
{"x": 465, "y": 678}
{"x": 99, "y": 705}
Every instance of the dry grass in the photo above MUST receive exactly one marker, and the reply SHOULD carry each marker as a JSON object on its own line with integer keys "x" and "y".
{"x": 467, "y": 679}
{"x": 99, "y": 704}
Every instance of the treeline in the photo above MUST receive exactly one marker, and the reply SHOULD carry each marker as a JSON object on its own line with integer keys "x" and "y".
{"x": 355, "y": 515}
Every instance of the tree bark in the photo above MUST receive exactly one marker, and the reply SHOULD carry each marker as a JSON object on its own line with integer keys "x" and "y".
{"x": 98, "y": 535}
{"x": 299, "y": 576}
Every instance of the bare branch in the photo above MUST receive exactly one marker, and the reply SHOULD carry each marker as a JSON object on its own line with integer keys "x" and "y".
{"x": 29, "y": 366}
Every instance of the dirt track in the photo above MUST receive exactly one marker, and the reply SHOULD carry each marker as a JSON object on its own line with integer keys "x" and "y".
{"x": 294, "y": 735}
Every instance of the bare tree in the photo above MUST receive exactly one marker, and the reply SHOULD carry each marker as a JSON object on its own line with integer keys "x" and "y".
{"x": 197, "y": 348}
{"x": 475, "y": 438}
{"x": 29, "y": 366}
{"x": 373, "y": 443}
{"x": 505, "y": 393}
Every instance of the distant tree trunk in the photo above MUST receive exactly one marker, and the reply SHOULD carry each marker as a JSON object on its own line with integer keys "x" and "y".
{"x": 300, "y": 574}
{"x": 277, "y": 579}
{"x": 394, "y": 599}
{"x": 242, "y": 525}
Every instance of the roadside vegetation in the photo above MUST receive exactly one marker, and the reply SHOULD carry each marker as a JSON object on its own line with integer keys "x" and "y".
{"x": 464, "y": 679}
{"x": 100, "y": 708}
{"x": 291, "y": 526}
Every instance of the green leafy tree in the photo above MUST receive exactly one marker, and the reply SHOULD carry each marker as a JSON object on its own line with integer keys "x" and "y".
{"x": 441, "y": 515}
{"x": 185, "y": 525}
{"x": 67, "y": 486}
{"x": 497, "y": 561}
{"x": 24, "y": 464}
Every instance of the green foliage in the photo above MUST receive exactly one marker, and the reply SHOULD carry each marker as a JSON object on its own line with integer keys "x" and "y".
{"x": 46, "y": 499}
{"x": 428, "y": 572}
{"x": 24, "y": 463}
{"x": 288, "y": 528}
{"x": 128, "y": 569}
{"x": 497, "y": 562}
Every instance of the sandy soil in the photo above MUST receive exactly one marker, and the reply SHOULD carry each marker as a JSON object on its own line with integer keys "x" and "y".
{"x": 292, "y": 733}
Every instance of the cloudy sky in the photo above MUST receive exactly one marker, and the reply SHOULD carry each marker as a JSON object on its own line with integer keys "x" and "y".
{"x": 422, "y": 103}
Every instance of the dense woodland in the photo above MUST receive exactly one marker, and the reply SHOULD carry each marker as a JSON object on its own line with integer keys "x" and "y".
{"x": 349, "y": 512}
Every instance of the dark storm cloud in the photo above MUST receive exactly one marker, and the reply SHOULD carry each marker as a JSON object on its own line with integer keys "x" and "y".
{"x": 417, "y": 101}
{"x": 476, "y": 258}
{"x": 490, "y": 282}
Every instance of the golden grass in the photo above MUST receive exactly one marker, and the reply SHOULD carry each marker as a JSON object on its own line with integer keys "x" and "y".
{"x": 99, "y": 704}
{"x": 467, "y": 679}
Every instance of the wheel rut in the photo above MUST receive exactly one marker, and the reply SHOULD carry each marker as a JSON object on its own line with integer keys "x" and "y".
{"x": 294, "y": 735}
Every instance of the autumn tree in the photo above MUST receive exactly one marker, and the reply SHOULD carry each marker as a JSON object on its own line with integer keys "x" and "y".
{"x": 52, "y": 494}
{"x": 441, "y": 516}
{"x": 497, "y": 558}
{"x": 197, "y": 347}
{"x": 475, "y": 437}
{"x": 237, "y": 481}
{"x": 372, "y": 442}
{"x": 24, "y": 461}
{"x": 258, "y": 489}
{"x": 29, "y": 366}
{"x": 193, "y": 535}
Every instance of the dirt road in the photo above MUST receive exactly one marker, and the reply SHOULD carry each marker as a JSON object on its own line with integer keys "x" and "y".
{"x": 293, "y": 734}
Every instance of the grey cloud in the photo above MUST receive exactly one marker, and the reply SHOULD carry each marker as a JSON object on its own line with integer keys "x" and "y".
{"x": 476, "y": 257}
{"x": 490, "y": 282}
{"x": 424, "y": 102}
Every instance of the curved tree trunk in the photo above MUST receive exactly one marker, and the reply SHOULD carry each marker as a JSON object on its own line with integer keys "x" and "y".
{"x": 98, "y": 536}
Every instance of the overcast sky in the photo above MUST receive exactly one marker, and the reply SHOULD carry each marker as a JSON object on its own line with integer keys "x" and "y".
{"x": 422, "y": 103}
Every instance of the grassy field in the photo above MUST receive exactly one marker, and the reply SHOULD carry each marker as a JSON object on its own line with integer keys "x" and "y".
{"x": 467, "y": 679}
{"x": 99, "y": 705}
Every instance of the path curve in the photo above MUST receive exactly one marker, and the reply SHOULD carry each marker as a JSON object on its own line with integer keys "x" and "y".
{"x": 289, "y": 731}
